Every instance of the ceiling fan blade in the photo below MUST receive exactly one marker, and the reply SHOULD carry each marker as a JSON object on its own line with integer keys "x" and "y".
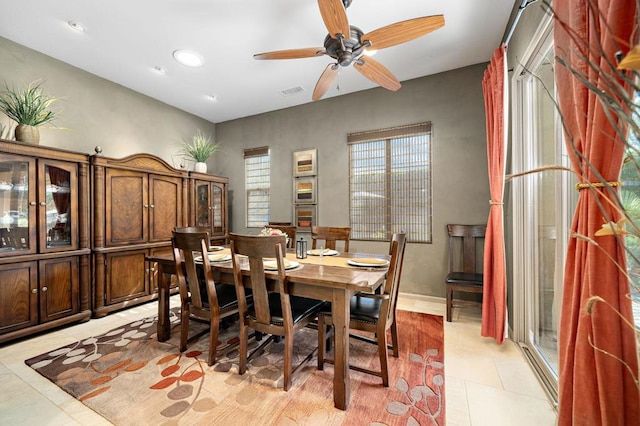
{"x": 403, "y": 31}
{"x": 327, "y": 78}
{"x": 335, "y": 17}
{"x": 377, "y": 73}
{"x": 308, "y": 52}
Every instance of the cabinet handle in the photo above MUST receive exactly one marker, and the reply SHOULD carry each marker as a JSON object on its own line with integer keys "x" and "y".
{"x": 33, "y": 203}
{"x": 34, "y": 290}
{"x": 44, "y": 288}
{"x": 153, "y": 269}
{"x": 146, "y": 206}
{"x": 152, "y": 206}
{"x": 42, "y": 203}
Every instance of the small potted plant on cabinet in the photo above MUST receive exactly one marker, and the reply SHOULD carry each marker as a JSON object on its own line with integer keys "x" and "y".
{"x": 200, "y": 149}
{"x": 29, "y": 107}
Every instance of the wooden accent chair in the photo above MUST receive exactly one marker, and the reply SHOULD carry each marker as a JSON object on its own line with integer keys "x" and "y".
{"x": 277, "y": 314}
{"x": 290, "y": 230}
{"x": 372, "y": 313}
{"x": 201, "y": 299}
{"x": 330, "y": 234}
{"x": 464, "y": 264}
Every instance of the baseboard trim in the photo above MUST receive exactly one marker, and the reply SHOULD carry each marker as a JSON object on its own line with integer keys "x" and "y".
{"x": 422, "y": 298}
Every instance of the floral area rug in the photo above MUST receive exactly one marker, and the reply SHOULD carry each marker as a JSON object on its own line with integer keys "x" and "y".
{"x": 130, "y": 378}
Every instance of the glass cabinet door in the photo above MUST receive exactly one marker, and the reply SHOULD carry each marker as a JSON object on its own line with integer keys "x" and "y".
{"x": 218, "y": 225}
{"x": 57, "y": 205}
{"x": 17, "y": 175}
{"x": 202, "y": 204}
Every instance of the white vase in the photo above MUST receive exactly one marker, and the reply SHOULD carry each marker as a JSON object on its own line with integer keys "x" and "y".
{"x": 201, "y": 167}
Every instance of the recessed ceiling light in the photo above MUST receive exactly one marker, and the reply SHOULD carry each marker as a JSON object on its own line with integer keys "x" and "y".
{"x": 212, "y": 98}
{"x": 76, "y": 26}
{"x": 188, "y": 58}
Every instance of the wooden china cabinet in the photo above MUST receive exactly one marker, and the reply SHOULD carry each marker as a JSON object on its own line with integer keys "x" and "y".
{"x": 208, "y": 205}
{"x": 137, "y": 201}
{"x": 44, "y": 239}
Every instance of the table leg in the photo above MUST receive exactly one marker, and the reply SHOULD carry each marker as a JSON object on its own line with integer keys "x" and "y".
{"x": 340, "y": 310}
{"x": 164, "y": 282}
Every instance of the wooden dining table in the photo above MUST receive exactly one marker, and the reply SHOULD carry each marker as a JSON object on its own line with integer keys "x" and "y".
{"x": 328, "y": 278}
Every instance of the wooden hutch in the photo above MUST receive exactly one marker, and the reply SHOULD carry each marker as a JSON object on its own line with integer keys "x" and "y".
{"x": 137, "y": 202}
{"x": 45, "y": 272}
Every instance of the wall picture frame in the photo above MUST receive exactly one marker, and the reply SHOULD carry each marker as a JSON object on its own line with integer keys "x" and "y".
{"x": 305, "y": 190}
{"x": 305, "y": 163}
{"x": 305, "y": 216}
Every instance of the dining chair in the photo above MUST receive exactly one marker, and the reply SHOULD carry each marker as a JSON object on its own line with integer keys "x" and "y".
{"x": 290, "y": 230}
{"x": 201, "y": 298}
{"x": 373, "y": 314}
{"x": 330, "y": 234}
{"x": 464, "y": 265}
{"x": 273, "y": 313}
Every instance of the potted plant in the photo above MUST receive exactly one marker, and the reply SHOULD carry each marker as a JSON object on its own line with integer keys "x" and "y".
{"x": 29, "y": 107}
{"x": 200, "y": 149}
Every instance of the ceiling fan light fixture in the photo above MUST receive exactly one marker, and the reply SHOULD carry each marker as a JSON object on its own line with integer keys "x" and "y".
{"x": 188, "y": 58}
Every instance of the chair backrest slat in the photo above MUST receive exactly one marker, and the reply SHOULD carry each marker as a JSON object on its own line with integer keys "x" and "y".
{"x": 330, "y": 234}
{"x": 392, "y": 283}
{"x": 290, "y": 230}
{"x": 470, "y": 235}
{"x": 187, "y": 245}
{"x": 257, "y": 248}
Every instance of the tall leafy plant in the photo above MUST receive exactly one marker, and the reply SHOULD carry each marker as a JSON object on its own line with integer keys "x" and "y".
{"x": 200, "y": 148}
{"x": 28, "y": 105}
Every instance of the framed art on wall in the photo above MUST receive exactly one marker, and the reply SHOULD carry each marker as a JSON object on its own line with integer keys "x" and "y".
{"x": 305, "y": 215}
{"x": 304, "y": 190}
{"x": 305, "y": 163}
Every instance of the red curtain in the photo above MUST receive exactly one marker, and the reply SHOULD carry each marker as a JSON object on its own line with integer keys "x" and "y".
{"x": 60, "y": 178}
{"x": 594, "y": 386}
{"x": 494, "y": 298}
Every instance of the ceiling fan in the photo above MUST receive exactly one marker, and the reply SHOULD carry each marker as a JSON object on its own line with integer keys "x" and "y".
{"x": 347, "y": 44}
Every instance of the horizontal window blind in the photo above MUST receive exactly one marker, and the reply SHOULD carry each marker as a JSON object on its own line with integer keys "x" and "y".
{"x": 390, "y": 183}
{"x": 257, "y": 166}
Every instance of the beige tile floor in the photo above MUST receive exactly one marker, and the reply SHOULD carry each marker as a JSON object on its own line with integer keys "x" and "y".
{"x": 486, "y": 384}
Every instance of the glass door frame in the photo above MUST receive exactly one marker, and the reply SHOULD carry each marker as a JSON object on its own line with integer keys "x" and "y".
{"x": 525, "y": 193}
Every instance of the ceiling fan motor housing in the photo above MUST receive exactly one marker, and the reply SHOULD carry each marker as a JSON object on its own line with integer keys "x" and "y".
{"x": 346, "y": 50}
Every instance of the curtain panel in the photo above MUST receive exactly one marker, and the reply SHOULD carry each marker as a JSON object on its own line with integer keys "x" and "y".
{"x": 598, "y": 361}
{"x": 494, "y": 297}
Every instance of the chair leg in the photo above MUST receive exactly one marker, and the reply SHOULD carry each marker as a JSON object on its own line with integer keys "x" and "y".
{"x": 394, "y": 339}
{"x": 321, "y": 349}
{"x": 449, "y": 303}
{"x": 288, "y": 361}
{"x": 384, "y": 359}
{"x": 184, "y": 327}
{"x": 244, "y": 337}
{"x": 213, "y": 339}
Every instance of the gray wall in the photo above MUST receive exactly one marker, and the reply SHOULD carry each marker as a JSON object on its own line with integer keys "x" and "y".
{"x": 452, "y": 101}
{"x": 95, "y": 111}
{"x": 123, "y": 122}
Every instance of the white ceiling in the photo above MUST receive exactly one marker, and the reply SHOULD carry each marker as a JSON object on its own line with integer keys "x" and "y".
{"x": 125, "y": 39}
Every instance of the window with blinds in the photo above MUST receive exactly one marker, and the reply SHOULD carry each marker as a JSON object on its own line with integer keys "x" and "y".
{"x": 257, "y": 178}
{"x": 390, "y": 183}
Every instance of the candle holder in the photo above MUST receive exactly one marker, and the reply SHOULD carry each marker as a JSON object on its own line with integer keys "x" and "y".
{"x": 301, "y": 249}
